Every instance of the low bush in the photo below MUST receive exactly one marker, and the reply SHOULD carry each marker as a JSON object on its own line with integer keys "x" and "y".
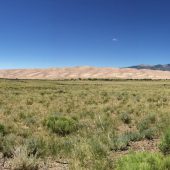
{"x": 61, "y": 125}
{"x": 165, "y": 143}
{"x": 61, "y": 146}
{"x": 21, "y": 160}
{"x": 7, "y": 145}
{"x": 149, "y": 133}
{"x": 147, "y": 127}
{"x": 133, "y": 136}
{"x": 2, "y": 129}
{"x": 125, "y": 117}
{"x": 143, "y": 125}
{"x": 97, "y": 148}
{"x": 120, "y": 143}
{"x": 36, "y": 146}
{"x": 29, "y": 101}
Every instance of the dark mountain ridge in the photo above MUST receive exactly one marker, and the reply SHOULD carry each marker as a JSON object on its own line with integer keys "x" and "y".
{"x": 162, "y": 67}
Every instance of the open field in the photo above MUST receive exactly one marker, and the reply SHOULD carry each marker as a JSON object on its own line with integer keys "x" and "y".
{"x": 84, "y": 73}
{"x": 81, "y": 124}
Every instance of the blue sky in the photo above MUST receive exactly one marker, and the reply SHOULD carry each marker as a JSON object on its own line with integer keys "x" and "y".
{"x": 56, "y": 33}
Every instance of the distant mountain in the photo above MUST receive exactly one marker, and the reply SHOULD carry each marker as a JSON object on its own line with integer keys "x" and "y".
{"x": 165, "y": 67}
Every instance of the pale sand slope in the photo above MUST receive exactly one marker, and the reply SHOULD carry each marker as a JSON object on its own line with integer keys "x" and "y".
{"x": 84, "y": 72}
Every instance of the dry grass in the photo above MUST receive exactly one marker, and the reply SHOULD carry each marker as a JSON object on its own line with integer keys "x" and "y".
{"x": 112, "y": 118}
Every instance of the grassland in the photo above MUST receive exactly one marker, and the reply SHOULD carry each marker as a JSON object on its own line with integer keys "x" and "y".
{"x": 95, "y": 125}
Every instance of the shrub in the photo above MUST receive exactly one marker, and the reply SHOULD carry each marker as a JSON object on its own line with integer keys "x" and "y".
{"x": 2, "y": 129}
{"x": 143, "y": 161}
{"x": 149, "y": 133}
{"x": 97, "y": 148}
{"x": 143, "y": 125}
{"x": 36, "y": 146}
{"x": 22, "y": 161}
{"x": 28, "y": 118}
{"x": 146, "y": 127}
{"x": 29, "y": 101}
{"x": 61, "y": 125}
{"x": 165, "y": 143}
{"x": 58, "y": 147}
{"x": 105, "y": 121}
{"x": 125, "y": 117}
{"x": 120, "y": 143}
{"x": 7, "y": 145}
{"x": 133, "y": 136}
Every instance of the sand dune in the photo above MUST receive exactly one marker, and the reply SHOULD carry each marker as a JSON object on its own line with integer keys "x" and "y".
{"x": 84, "y": 72}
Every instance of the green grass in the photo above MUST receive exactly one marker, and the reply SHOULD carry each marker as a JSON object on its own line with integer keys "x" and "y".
{"x": 143, "y": 161}
{"x": 83, "y": 122}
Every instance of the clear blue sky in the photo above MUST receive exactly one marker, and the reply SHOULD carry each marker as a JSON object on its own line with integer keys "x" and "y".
{"x": 56, "y": 33}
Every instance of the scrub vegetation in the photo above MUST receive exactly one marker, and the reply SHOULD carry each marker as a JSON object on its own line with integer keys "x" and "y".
{"x": 85, "y": 124}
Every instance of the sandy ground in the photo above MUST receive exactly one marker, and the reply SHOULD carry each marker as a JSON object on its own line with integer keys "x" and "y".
{"x": 84, "y": 72}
